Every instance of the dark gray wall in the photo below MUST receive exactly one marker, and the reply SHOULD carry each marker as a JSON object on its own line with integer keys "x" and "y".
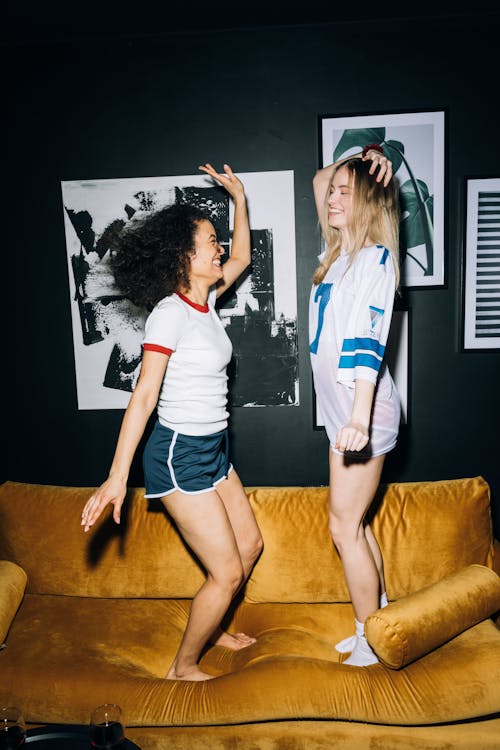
{"x": 162, "y": 105}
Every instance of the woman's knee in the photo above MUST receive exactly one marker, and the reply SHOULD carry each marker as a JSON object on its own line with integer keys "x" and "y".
{"x": 344, "y": 533}
{"x": 249, "y": 553}
{"x": 229, "y": 578}
{"x": 253, "y": 548}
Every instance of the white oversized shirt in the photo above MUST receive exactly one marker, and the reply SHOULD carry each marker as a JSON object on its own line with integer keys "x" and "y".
{"x": 350, "y": 314}
{"x": 193, "y": 396}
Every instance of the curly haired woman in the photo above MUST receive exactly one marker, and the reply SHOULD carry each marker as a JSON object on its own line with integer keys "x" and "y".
{"x": 170, "y": 263}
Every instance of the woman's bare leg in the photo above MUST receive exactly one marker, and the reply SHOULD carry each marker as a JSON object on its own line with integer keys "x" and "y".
{"x": 204, "y": 524}
{"x": 346, "y": 645}
{"x": 249, "y": 543}
{"x": 376, "y": 554}
{"x": 352, "y": 489}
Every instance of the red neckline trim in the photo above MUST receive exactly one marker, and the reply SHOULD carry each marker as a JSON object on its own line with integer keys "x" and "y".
{"x": 200, "y": 308}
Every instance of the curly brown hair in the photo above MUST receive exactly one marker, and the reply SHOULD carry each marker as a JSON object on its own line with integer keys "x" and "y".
{"x": 150, "y": 257}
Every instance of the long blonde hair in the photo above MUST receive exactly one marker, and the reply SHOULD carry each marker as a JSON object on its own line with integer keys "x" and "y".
{"x": 375, "y": 214}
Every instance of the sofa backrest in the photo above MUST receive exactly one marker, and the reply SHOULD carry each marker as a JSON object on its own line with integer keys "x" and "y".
{"x": 426, "y": 530}
{"x": 143, "y": 557}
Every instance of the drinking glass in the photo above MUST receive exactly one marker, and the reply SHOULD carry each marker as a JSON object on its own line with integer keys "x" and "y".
{"x": 106, "y": 726}
{"x": 12, "y": 728}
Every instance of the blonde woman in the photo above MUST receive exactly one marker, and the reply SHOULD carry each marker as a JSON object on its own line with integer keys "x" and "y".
{"x": 350, "y": 313}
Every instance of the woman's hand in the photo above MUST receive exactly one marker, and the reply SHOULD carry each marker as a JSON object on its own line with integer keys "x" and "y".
{"x": 233, "y": 184}
{"x": 380, "y": 162}
{"x": 352, "y": 437}
{"x": 240, "y": 256}
{"x": 113, "y": 491}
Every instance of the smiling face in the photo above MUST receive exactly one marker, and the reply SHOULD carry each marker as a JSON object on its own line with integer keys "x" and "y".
{"x": 340, "y": 199}
{"x": 206, "y": 261}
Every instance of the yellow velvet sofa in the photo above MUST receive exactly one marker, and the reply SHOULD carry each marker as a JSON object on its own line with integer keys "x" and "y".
{"x": 97, "y": 617}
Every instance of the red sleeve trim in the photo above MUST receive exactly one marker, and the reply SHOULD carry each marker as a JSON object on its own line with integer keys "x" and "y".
{"x": 157, "y": 348}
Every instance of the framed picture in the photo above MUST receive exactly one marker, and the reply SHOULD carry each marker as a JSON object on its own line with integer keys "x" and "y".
{"x": 396, "y": 359}
{"x": 481, "y": 285}
{"x": 259, "y": 312}
{"x": 415, "y": 143}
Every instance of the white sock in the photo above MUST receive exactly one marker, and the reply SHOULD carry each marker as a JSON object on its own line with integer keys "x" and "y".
{"x": 346, "y": 645}
{"x": 362, "y": 654}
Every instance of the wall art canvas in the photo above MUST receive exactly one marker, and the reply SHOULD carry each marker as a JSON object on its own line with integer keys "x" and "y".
{"x": 481, "y": 319}
{"x": 414, "y": 142}
{"x": 259, "y": 313}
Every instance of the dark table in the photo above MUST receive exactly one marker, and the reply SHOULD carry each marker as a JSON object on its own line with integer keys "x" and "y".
{"x": 66, "y": 737}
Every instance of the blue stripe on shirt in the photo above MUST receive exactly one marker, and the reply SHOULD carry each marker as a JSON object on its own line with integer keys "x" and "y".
{"x": 349, "y": 362}
{"x": 384, "y": 256}
{"x": 352, "y": 345}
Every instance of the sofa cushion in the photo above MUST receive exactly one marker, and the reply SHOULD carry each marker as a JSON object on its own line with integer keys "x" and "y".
{"x": 144, "y": 556}
{"x": 12, "y": 586}
{"x": 429, "y": 530}
{"x": 65, "y": 655}
{"x": 420, "y": 622}
{"x": 299, "y": 562}
{"x": 420, "y": 526}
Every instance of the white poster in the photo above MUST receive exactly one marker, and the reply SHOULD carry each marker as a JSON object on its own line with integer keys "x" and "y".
{"x": 482, "y": 264}
{"x": 260, "y": 314}
{"x": 414, "y": 142}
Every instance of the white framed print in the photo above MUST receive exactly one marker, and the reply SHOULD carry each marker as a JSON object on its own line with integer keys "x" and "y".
{"x": 415, "y": 143}
{"x": 481, "y": 284}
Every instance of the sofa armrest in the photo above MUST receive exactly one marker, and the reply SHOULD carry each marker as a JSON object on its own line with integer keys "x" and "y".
{"x": 496, "y": 556}
{"x": 496, "y": 568}
{"x": 12, "y": 585}
{"x": 420, "y": 622}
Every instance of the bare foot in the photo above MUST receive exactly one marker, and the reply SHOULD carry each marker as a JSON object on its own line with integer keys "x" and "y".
{"x": 190, "y": 675}
{"x": 234, "y": 641}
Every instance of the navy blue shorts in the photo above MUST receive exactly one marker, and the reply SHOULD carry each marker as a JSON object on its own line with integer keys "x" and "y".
{"x": 189, "y": 463}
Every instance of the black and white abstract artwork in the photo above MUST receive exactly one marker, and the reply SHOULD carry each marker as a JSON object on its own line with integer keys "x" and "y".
{"x": 259, "y": 312}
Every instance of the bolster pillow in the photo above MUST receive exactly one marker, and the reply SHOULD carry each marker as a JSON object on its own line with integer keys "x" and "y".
{"x": 420, "y": 622}
{"x": 12, "y": 584}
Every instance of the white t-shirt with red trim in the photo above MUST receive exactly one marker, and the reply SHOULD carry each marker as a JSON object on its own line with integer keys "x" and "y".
{"x": 193, "y": 396}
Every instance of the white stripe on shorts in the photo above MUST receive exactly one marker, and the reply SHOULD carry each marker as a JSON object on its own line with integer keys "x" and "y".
{"x": 174, "y": 479}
